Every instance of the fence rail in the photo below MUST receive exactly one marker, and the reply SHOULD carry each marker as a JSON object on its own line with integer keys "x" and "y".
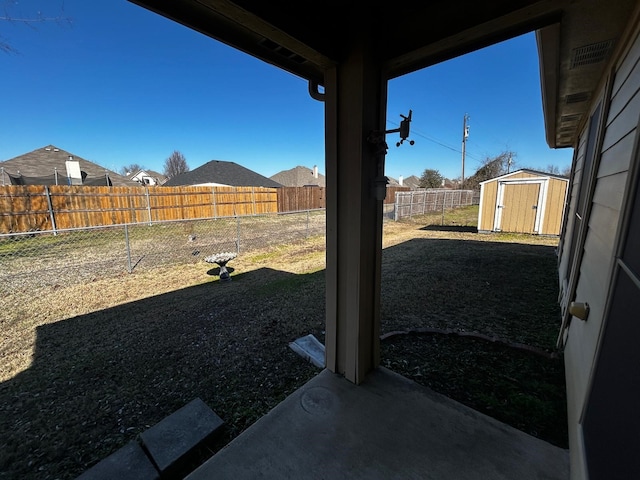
{"x": 32, "y": 208}
{"x": 65, "y": 257}
{"x": 420, "y": 202}
{"x": 57, "y": 207}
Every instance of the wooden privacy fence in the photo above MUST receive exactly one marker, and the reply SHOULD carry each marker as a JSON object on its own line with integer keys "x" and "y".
{"x": 25, "y": 208}
{"x": 420, "y": 202}
{"x": 28, "y": 208}
{"x": 295, "y": 199}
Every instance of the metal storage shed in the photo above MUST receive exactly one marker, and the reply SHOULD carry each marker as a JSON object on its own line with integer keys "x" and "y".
{"x": 524, "y": 201}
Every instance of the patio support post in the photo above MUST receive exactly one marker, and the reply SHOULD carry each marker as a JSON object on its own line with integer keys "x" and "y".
{"x": 355, "y": 105}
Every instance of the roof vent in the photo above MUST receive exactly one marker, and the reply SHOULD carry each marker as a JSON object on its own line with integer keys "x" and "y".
{"x": 590, "y": 54}
{"x": 577, "y": 97}
{"x": 573, "y": 117}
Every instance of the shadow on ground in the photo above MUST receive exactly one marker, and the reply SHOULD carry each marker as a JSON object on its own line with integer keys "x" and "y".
{"x": 450, "y": 228}
{"x": 98, "y": 380}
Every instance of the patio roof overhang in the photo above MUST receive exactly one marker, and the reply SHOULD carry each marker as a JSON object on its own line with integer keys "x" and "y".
{"x": 575, "y": 38}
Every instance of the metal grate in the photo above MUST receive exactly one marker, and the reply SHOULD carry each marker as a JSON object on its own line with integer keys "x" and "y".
{"x": 590, "y": 54}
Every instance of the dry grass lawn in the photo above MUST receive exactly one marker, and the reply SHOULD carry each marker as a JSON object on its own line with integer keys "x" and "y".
{"x": 86, "y": 368}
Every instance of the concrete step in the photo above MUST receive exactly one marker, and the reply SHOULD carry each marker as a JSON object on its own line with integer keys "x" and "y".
{"x": 161, "y": 447}
{"x": 175, "y": 436}
{"x": 129, "y": 463}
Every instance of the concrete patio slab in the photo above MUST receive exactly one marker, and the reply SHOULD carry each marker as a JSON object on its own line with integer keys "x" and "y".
{"x": 388, "y": 427}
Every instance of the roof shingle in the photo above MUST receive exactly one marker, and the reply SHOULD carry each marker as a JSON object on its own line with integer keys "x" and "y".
{"x": 42, "y": 165}
{"x": 299, "y": 177}
{"x": 223, "y": 173}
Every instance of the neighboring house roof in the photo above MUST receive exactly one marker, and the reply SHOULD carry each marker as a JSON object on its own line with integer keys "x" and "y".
{"x": 299, "y": 177}
{"x": 219, "y": 172}
{"x": 411, "y": 182}
{"x": 526, "y": 170}
{"x": 392, "y": 182}
{"x": 141, "y": 174}
{"x": 39, "y": 167}
{"x": 159, "y": 176}
{"x": 450, "y": 184}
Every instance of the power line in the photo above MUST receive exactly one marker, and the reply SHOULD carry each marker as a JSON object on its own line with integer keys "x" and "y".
{"x": 436, "y": 141}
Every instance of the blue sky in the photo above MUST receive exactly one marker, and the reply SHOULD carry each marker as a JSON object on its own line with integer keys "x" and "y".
{"x": 122, "y": 85}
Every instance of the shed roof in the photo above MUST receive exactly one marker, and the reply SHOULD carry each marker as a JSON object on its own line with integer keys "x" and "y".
{"x": 224, "y": 173}
{"x": 534, "y": 173}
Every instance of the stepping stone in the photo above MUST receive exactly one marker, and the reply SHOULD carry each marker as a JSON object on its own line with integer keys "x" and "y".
{"x": 128, "y": 463}
{"x": 310, "y": 349}
{"x": 176, "y": 435}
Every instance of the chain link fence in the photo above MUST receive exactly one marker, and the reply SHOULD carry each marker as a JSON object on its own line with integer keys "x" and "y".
{"x": 47, "y": 259}
{"x": 426, "y": 201}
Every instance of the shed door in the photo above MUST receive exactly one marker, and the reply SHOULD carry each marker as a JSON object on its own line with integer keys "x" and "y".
{"x": 519, "y": 208}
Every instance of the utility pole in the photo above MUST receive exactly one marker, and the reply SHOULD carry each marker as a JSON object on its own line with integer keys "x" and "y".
{"x": 465, "y": 134}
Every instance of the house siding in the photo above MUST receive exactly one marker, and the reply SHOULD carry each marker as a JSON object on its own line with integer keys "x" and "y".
{"x": 595, "y": 274}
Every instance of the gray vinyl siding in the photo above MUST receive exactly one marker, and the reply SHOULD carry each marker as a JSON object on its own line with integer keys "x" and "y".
{"x": 601, "y": 240}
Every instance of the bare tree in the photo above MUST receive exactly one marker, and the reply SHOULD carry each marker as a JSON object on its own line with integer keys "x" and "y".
{"x": 175, "y": 164}
{"x": 491, "y": 167}
{"x": 31, "y": 20}
{"x": 555, "y": 170}
{"x": 127, "y": 170}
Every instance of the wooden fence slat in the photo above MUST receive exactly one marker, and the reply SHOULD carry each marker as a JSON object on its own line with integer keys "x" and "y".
{"x": 24, "y": 208}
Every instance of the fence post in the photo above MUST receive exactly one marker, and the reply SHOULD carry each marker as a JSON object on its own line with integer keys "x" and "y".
{"x": 253, "y": 200}
{"x": 411, "y": 206}
{"x": 307, "y": 223}
{"x": 146, "y": 193}
{"x": 395, "y": 208}
{"x": 213, "y": 193}
{"x": 238, "y": 234}
{"x": 126, "y": 241}
{"x": 424, "y": 203}
{"x": 50, "y": 205}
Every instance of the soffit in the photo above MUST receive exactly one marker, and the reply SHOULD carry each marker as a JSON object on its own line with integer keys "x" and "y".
{"x": 307, "y": 38}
